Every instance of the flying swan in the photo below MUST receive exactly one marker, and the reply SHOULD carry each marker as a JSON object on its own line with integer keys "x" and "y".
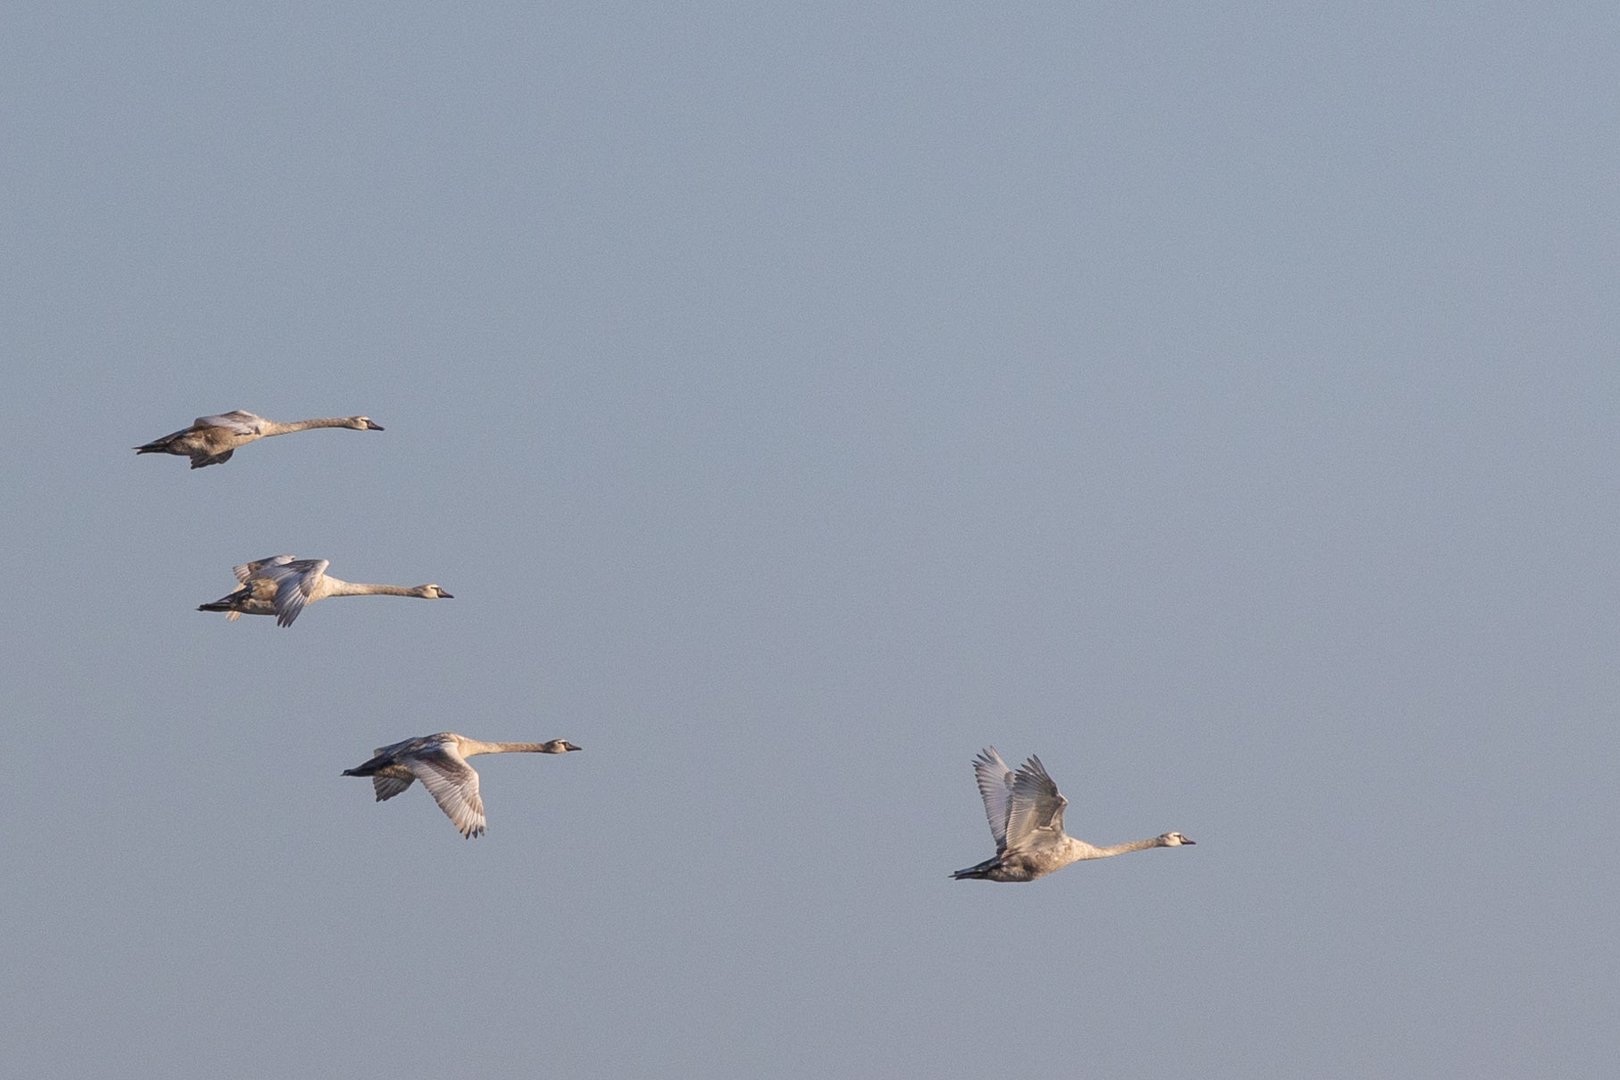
{"x": 211, "y": 440}
{"x": 440, "y": 762}
{"x": 281, "y": 585}
{"x": 1026, "y": 818}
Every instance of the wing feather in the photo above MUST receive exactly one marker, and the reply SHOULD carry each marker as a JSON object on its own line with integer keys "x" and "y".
{"x": 995, "y": 782}
{"x": 249, "y": 569}
{"x": 1036, "y": 803}
{"x": 295, "y": 584}
{"x": 454, "y": 786}
{"x": 392, "y": 780}
{"x": 236, "y": 422}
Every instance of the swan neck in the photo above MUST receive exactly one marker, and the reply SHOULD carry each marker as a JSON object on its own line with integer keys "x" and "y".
{"x": 277, "y": 427}
{"x": 340, "y": 587}
{"x": 469, "y": 747}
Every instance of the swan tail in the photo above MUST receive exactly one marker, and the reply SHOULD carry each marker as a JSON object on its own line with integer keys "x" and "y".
{"x": 164, "y": 445}
{"x": 224, "y": 603}
{"x": 370, "y": 767}
{"x": 229, "y": 603}
{"x": 985, "y": 871}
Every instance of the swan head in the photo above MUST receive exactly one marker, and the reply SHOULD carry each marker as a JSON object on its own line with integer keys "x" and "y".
{"x": 1174, "y": 839}
{"x": 364, "y": 423}
{"x": 560, "y": 746}
{"x": 433, "y": 592}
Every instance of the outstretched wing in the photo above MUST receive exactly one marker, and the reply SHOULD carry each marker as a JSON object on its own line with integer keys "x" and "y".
{"x": 201, "y": 459}
{"x": 295, "y": 583}
{"x": 454, "y": 786}
{"x": 995, "y": 786}
{"x": 247, "y": 570}
{"x": 390, "y": 781}
{"x": 1036, "y": 803}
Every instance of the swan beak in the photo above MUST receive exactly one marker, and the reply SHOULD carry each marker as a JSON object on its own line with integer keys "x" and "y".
{"x": 444, "y": 595}
{"x": 1184, "y": 840}
{"x": 567, "y": 746}
{"x": 372, "y": 425}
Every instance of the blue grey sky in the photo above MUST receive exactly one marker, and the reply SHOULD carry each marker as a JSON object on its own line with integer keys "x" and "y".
{"x": 1217, "y": 400}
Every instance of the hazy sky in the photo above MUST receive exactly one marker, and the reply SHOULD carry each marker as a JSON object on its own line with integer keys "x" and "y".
{"x": 1217, "y": 400}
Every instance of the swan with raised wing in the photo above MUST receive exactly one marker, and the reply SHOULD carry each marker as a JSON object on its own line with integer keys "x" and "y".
{"x": 211, "y": 440}
{"x": 282, "y": 585}
{"x": 1026, "y": 819}
{"x": 440, "y": 762}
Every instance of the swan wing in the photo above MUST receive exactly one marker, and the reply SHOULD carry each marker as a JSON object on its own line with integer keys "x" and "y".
{"x": 401, "y": 748}
{"x": 247, "y": 570}
{"x": 391, "y": 781}
{"x": 295, "y": 585}
{"x": 236, "y": 422}
{"x": 453, "y": 785}
{"x": 995, "y": 782}
{"x": 1036, "y": 804}
{"x": 202, "y": 459}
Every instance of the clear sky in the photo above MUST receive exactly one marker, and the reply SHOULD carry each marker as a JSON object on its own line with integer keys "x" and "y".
{"x": 1217, "y": 400}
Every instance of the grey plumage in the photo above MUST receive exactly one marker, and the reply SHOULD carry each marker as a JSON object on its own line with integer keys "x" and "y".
{"x": 440, "y": 762}
{"x": 1025, "y": 810}
{"x": 211, "y": 440}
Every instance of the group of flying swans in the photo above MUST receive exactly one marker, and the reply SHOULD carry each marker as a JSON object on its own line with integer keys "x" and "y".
{"x": 211, "y": 440}
{"x": 1026, "y": 818}
{"x": 282, "y": 585}
{"x": 440, "y": 762}
{"x": 1024, "y": 807}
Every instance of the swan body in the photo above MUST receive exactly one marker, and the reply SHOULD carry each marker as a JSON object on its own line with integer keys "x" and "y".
{"x": 1026, "y": 818}
{"x": 211, "y": 440}
{"x": 282, "y": 585}
{"x": 440, "y": 762}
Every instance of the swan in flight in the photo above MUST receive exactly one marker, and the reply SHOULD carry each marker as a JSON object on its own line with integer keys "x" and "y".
{"x": 440, "y": 762}
{"x": 281, "y": 585}
{"x": 211, "y": 440}
{"x": 1026, "y": 818}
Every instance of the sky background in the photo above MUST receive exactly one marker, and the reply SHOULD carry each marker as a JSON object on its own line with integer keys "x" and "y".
{"x": 1215, "y": 399}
